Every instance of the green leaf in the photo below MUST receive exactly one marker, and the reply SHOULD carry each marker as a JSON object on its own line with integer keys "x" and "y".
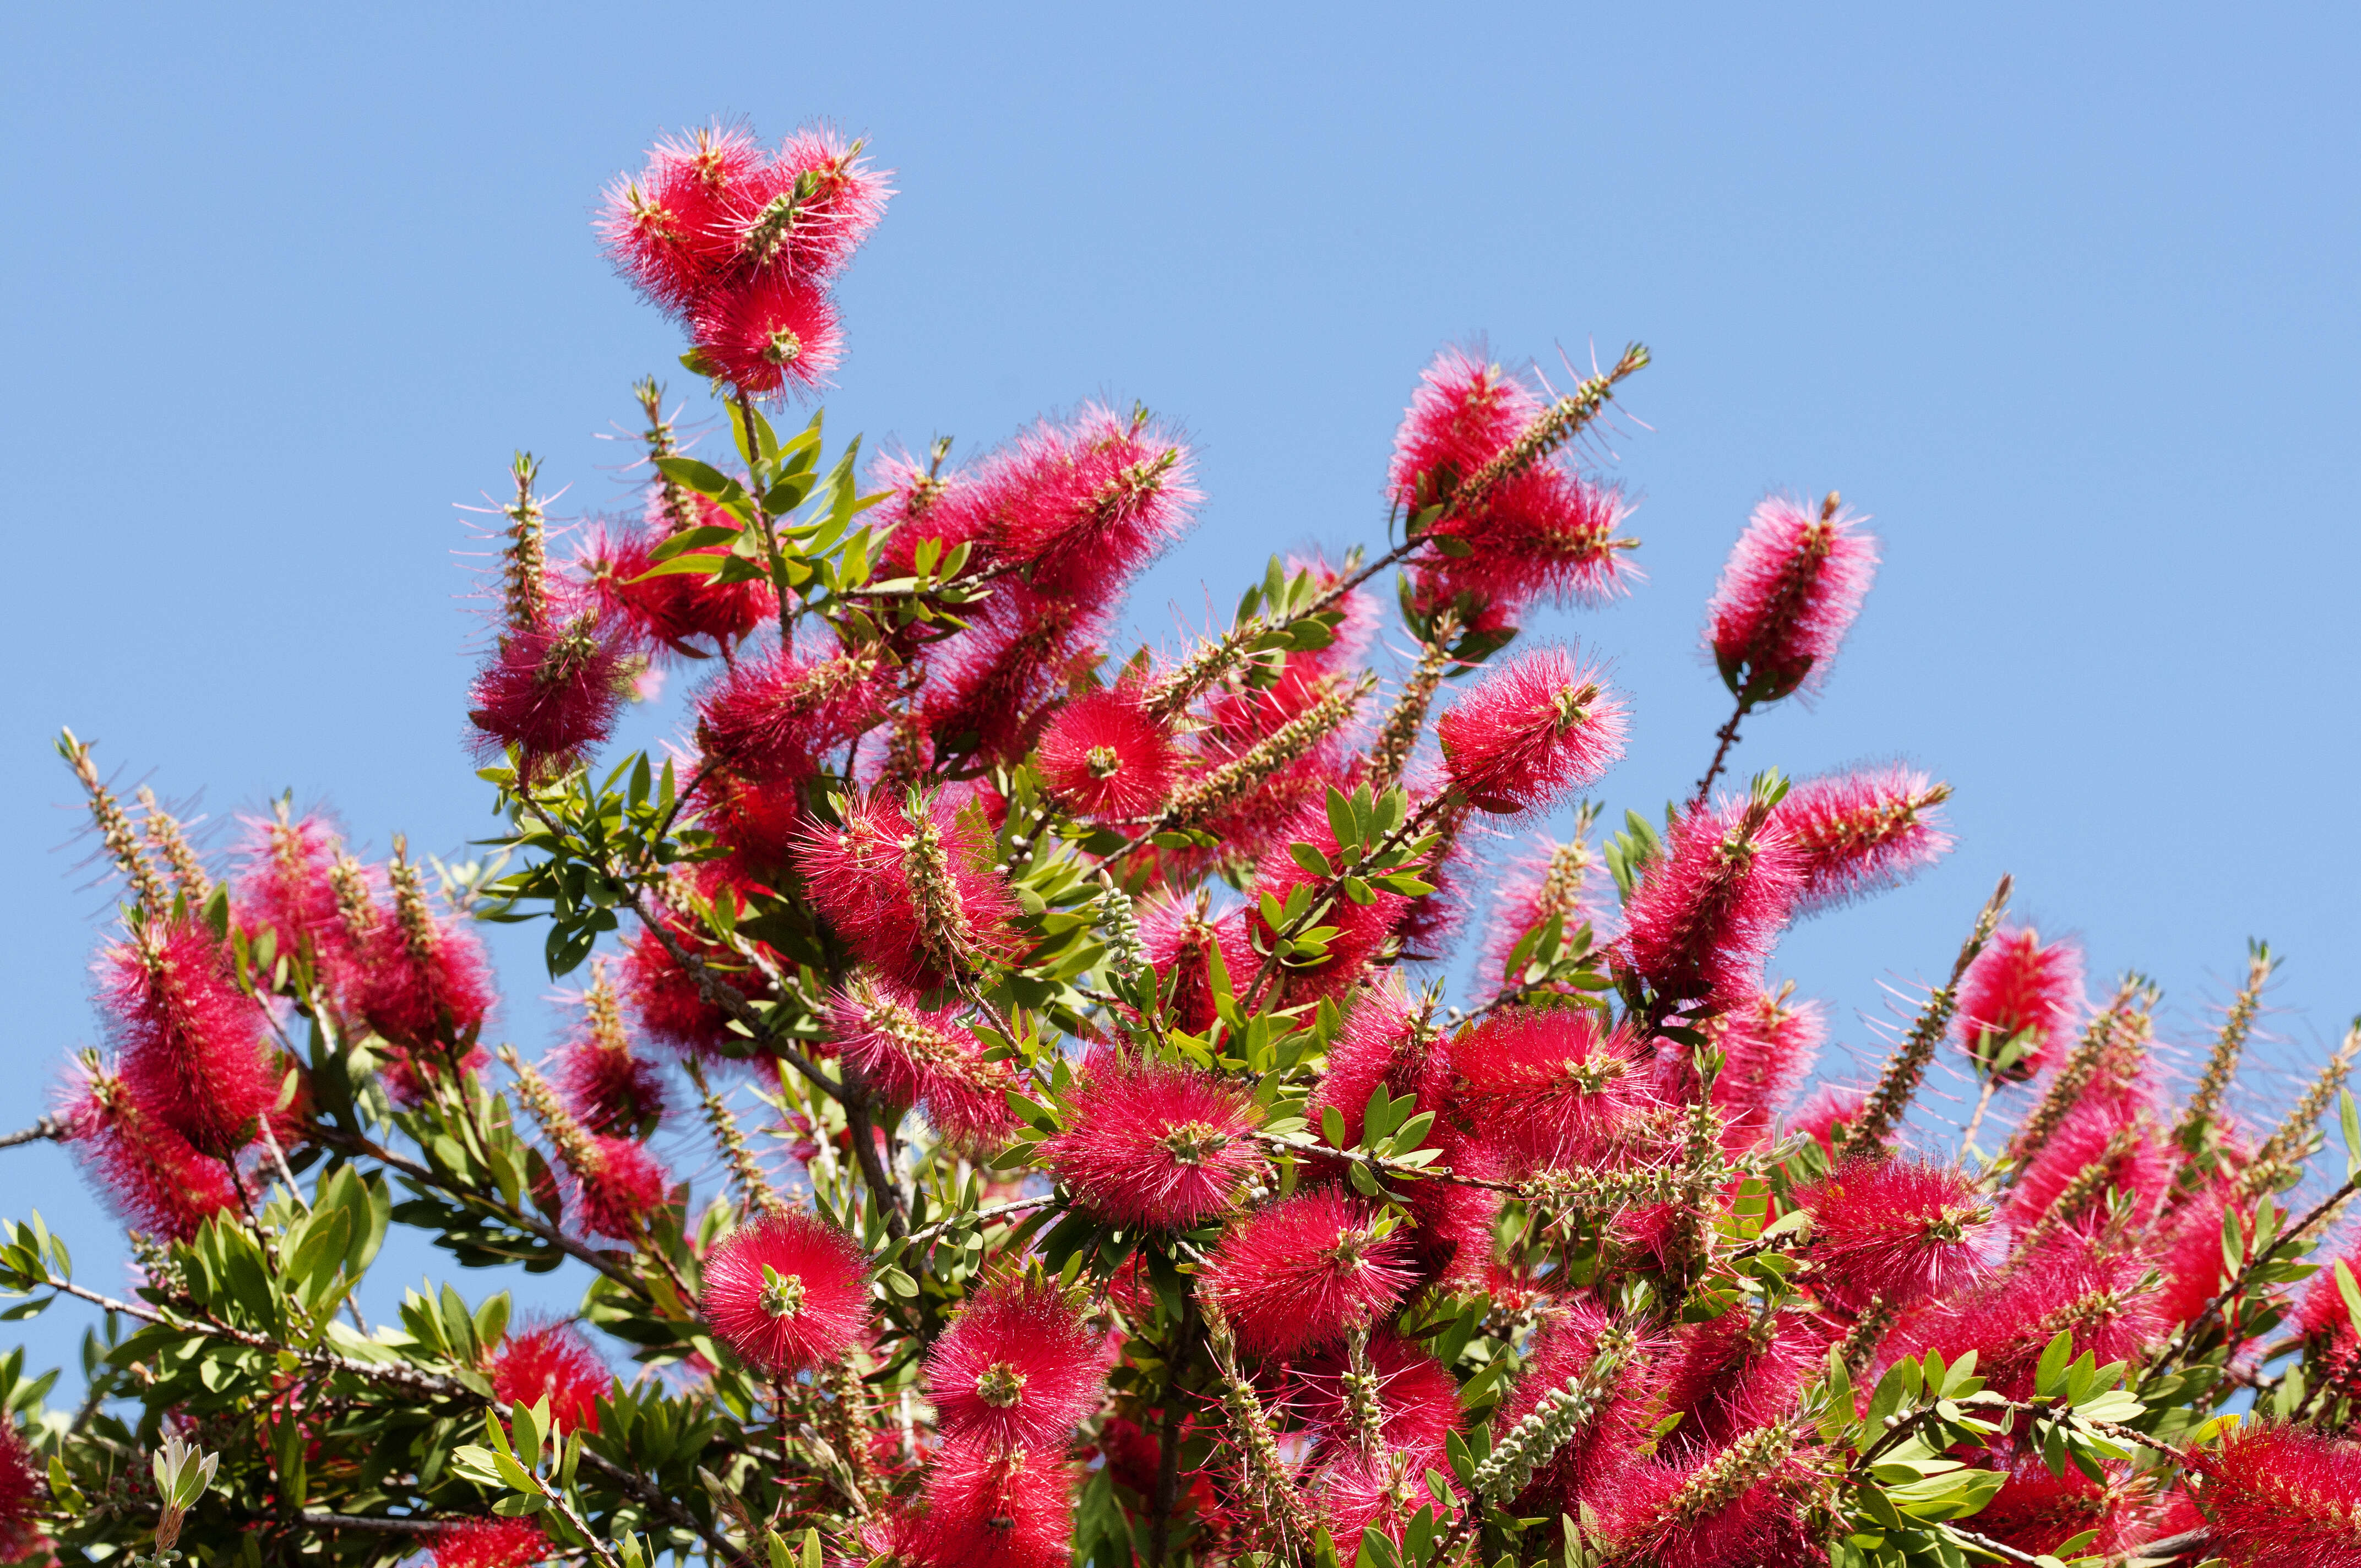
{"x": 2055, "y": 1360}
{"x": 702, "y": 478}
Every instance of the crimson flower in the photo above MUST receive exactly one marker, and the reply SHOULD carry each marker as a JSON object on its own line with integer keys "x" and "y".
{"x": 1018, "y": 1369}
{"x": 787, "y": 1293}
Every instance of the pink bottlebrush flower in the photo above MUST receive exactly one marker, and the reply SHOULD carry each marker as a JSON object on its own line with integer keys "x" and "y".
{"x": 1737, "y": 1373}
{"x": 1588, "y": 1466}
{"x": 2195, "y": 1273}
{"x": 924, "y": 502}
{"x": 550, "y": 690}
{"x": 1179, "y": 938}
{"x": 913, "y": 1056}
{"x": 1553, "y": 879}
{"x": 1358, "y": 932}
{"x": 1301, "y": 1273}
{"x": 2037, "y": 1512}
{"x": 151, "y": 1176}
{"x": 1863, "y": 832}
{"x": 1417, "y": 1399}
{"x": 1831, "y": 1105}
{"x": 1151, "y": 1145}
{"x": 1018, "y": 1368}
{"x": 913, "y": 890}
{"x": 1354, "y": 1491}
{"x": 809, "y": 207}
{"x": 988, "y": 687}
{"x": 1768, "y": 1048}
{"x": 1706, "y": 910}
{"x": 770, "y": 720}
{"x": 786, "y": 1293}
{"x": 1538, "y": 726}
{"x": 617, "y": 1185}
{"x": 2101, "y": 1298}
{"x": 427, "y": 981}
{"x": 672, "y": 612}
{"x": 1106, "y": 757}
{"x": 24, "y": 1494}
{"x": 2322, "y": 1312}
{"x": 769, "y": 334}
{"x": 668, "y": 231}
{"x": 666, "y": 998}
{"x": 1544, "y": 1086}
{"x": 603, "y": 1083}
{"x": 2117, "y": 1131}
{"x": 1382, "y": 1043}
{"x": 989, "y": 1509}
{"x": 1795, "y": 581}
{"x": 1655, "y": 1516}
{"x": 553, "y": 1361}
{"x": 193, "y": 1057}
{"x": 756, "y": 823}
{"x": 488, "y": 1543}
{"x": 1541, "y": 533}
{"x": 2276, "y": 1493}
{"x": 1897, "y": 1231}
{"x": 283, "y": 885}
{"x": 1088, "y": 503}
{"x": 2020, "y": 985}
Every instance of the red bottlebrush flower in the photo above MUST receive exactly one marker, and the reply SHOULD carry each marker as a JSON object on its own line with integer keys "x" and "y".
{"x": 2322, "y": 1312}
{"x": 1831, "y": 1105}
{"x": 1179, "y": 940}
{"x": 1706, "y": 910}
{"x": 924, "y": 502}
{"x": 1303, "y": 1272}
{"x": 1539, "y": 726}
{"x": 672, "y": 612}
{"x": 23, "y": 1491}
{"x": 1415, "y": 1396}
{"x": 489, "y": 1543}
{"x": 284, "y": 885}
{"x": 551, "y": 689}
{"x": 1355, "y": 1491}
{"x": 2118, "y": 1132}
{"x": 913, "y": 1055}
{"x": 1087, "y": 504}
{"x": 987, "y": 686}
{"x": 1742, "y": 1505}
{"x": 1896, "y": 1231}
{"x": 668, "y": 231}
{"x": 2037, "y": 1512}
{"x": 1541, "y": 533}
{"x": 1382, "y": 1044}
{"x": 809, "y": 207}
{"x": 427, "y": 982}
{"x": 1795, "y": 581}
{"x": 1768, "y": 1048}
{"x": 1544, "y": 1086}
{"x": 987, "y": 1509}
{"x": 786, "y": 1293}
{"x": 665, "y": 995}
{"x": 2021, "y": 986}
{"x": 768, "y": 720}
{"x": 1018, "y": 1368}
{"x": 757, "y": 823}
{"x": 915, "y": 894}
{"x": 191, "y": 1041}
{"x": 1103, "y": 756}
{"x": 2008, "y": 1322}
{"x": 617, "y": 1185}
{"x": 151, "y": 1176}
{"x": 770, "y": 334}
{"x": 1555, "y": 879}
{"x": 553, "y": 1361}
{"x": 1359, "y": 931}
{"x": 2193, "y": 1270}
{"x": 1863, "y": 832}
{"x": 1735, "y": 1373}
{"x": 2277, "y": 1494}
{"x": 601, "y": 1081}
{"x": 1152, "y": 1145}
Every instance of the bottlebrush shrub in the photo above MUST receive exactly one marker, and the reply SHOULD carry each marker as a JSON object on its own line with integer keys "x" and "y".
{"x": 1084, "y": 1167}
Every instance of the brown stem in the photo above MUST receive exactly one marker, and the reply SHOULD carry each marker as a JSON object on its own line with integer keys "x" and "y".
{"x": 48, "y": 1129}
{"x": 1726, "y": 737}
{"x": 1166, "y": 1494}
{"x": 2178, "y": 1345}
{"x": 862, "y": 1132}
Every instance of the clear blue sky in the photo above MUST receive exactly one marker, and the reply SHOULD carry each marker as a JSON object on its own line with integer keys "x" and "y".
{"x": 2068, "y": 303}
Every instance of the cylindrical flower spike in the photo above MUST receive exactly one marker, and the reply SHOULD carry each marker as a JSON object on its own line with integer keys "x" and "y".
{"x": 1897, "y": 1231}
{"x": 151, "y": 1176}
{"x": 769, "y": 335}
{"x": 551, "y": 1361}
{"x": 911, "y": 887}
{"x": 1706, "y": 912}
{"x": 1303, "y": 1272}
{"x": 1863, "y": 832}
{"x": 603, "y": 1083}
{"x": 1166, "y": 1148}
{"x": 1544, "y": 1086}
{"x": 1018, "y": 1369}
{"x": 1795, "y": 581}
{"x": 989, "y": 1508}
{"x": 787, "y": 1293}
{"x": 2021, "y": 1003}
{"x": 192, "y": 1042}
{"x": 1537, "y": 726}
{"x": 1106, "y": 757}
{"x": 489, "y": 1543}
{"x": 910, "y": 1055}
{"x": 2280, "y": 1495}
